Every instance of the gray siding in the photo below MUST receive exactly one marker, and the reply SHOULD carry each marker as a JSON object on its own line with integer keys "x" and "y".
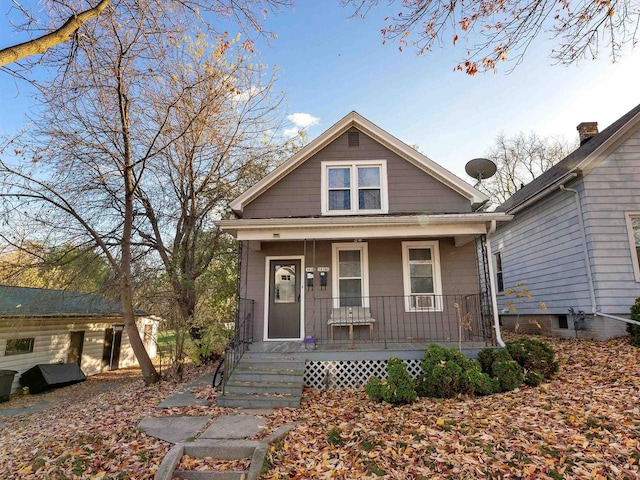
{"x": 542, "y": 248}
{"x": 458, "y": 270}
{"x": 410, "y": 189}
{"x": 612, "y": 189}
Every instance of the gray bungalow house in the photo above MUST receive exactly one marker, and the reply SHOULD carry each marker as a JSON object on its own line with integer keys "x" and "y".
{"x": 356, "y": 249}
{"x": 575, "y": 238}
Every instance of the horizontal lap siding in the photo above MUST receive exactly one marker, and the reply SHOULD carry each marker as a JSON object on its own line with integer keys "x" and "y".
{"x": 51, "y": 345}
{"x": 410, "y": 189}
{"x": 542, "y": 247}
{"x": 458, "y": 270}
{"x": 613, "y": 188}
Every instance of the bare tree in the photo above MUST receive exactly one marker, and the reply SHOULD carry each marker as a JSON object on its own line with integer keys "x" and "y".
{"x": 520, "y": 159}
{"x": 144, "y": 139}
{"x": 67, "y": 21}
{"x": 496, "y": 31}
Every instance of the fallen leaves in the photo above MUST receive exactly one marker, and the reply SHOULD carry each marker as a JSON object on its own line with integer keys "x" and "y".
{"x": 583, "y": 424}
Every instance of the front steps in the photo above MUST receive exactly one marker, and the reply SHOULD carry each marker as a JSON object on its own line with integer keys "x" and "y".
{"x": 265, "y": 380}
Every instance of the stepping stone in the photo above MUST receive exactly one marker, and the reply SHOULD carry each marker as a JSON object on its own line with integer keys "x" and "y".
{"x": 175, "y": 429}
{"x": 235, "y": 426}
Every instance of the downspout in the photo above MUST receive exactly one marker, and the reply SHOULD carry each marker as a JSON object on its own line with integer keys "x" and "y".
{"x": 585, "y": 250}
{"x": 494, "y": 300}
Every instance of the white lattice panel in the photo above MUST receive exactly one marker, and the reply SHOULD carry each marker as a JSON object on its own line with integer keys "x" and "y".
{"x": 350, "y": 373}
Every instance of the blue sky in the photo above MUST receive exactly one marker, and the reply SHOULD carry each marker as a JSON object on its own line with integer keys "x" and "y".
{"x": 330, "y": 64}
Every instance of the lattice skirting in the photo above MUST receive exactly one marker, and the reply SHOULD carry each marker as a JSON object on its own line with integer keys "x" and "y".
{"x": 350, "y": 373}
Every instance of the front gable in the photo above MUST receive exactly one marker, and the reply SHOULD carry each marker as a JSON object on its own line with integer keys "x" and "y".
{"x": 371, "y": 172}
{"x": 403, "y": 187}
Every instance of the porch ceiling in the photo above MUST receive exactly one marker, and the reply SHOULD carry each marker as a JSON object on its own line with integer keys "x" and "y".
{"x": 449, "y": 225}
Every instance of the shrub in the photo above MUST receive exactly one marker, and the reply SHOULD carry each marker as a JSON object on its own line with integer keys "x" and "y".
{"x": 479, "y": 383}
{"x": 533, "y": 378}
{"x": 373, "y": 389}
{"x": 634, "y": 330}
{"x": 334, "y": 437}
{"x": 534, "y": 354}
{"x": 487, "y": 356}
{"x": 447, "y": 373}
{"x": 399, "y": 389}
{"x": 508, "y": 374}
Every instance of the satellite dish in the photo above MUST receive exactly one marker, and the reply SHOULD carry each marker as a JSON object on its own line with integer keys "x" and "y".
{"x": 480, "y": 169}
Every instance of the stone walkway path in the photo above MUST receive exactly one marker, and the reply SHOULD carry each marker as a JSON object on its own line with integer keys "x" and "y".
{"x": 225, "y": 438}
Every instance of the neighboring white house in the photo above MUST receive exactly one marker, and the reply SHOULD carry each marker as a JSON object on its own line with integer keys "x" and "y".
{"x": 56, "y": 326}
{"x": 575, "y": 237}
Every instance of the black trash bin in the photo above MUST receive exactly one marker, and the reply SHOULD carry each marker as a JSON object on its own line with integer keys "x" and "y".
{"x": 6, "y": 379}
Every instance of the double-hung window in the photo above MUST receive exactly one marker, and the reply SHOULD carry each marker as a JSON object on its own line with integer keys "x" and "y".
{"x": 354, "y": 187}
{"x": 633, "y": 228}
{"x": 421, "y": 275}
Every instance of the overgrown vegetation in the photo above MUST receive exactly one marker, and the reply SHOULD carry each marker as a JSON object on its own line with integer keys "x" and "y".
{"x": 634, "y": 330}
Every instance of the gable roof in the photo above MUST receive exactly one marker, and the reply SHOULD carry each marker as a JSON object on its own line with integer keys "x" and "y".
{"x": 356, "y": 120}
{"x": 24, "y": 302}
{"x": 573, "y": 163}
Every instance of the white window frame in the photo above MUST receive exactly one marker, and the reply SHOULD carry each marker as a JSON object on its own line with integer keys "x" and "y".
{"x": 364, "y": 261}
{"x": 437, "y": 278}
{"x": 632, "y": 243}
{"x": 353, "y": 165}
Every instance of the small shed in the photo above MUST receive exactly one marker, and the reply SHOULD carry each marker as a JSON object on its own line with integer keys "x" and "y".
{"x": 42, "y": 326}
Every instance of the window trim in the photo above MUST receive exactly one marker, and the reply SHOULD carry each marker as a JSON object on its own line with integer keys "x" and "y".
{"x": 632, "y": 243}
{"x": 500, "y": 272}
{"x": 437, "y": 277}
{"x": 363, "y": 247}
{"x": 32, "y": 342}
{"x": 353, "y": 166}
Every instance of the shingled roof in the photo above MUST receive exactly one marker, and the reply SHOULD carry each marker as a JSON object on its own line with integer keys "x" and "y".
{"x": 567, "y": 165}
{"x": 27, "y": 302}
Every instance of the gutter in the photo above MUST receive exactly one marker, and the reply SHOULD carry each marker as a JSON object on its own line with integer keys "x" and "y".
{"x": 585, "y": 249}
{"x": 543, "y": 193}
{"x": 494, "y": 300}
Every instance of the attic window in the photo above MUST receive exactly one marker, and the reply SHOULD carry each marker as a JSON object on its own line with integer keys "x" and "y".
{"x": 351, "y": 188}
{"x": 354, "y": 139}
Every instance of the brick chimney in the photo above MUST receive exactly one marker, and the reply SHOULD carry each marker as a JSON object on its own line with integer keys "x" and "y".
{"x": 586, "y": 130}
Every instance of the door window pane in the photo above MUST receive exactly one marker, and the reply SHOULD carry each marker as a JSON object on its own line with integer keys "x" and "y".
{"x": 284, "y": 284}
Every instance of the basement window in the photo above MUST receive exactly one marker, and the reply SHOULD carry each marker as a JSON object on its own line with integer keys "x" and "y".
{"x": 18, "y": 346}
{"x": 562, "y": 322}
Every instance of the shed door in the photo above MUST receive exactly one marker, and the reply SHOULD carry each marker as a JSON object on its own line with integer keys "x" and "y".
{"x": 111, "y": 349}
{"x": 284, "y": 299}
{"x": 75, "y": 348}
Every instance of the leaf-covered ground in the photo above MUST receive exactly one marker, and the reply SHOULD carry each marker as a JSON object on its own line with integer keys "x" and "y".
{"x": 583, "y": 424}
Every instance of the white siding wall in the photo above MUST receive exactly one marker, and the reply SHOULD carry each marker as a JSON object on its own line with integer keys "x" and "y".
{"x": 52, "y": 340}
{"x": 613, "y": 188}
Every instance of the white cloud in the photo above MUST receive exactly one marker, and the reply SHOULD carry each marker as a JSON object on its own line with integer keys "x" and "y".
{"x": 303, "y": 120}
{"x": 291, "y": 132}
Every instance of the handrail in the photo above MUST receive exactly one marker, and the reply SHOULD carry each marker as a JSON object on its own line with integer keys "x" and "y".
{"x": 242, "y": 337}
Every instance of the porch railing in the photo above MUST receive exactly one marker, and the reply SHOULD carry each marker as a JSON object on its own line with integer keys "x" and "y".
{"x": 398, "y": 319}
{"x": 242, "y": 337}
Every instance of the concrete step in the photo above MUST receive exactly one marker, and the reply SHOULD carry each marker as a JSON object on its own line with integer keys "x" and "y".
{"x": 198, "y": 475}
{"x": 253, "y": 400}
{"x": 266, "y": 376}
{"x": 248, "y": 386}
{"x": 273, "y": 365}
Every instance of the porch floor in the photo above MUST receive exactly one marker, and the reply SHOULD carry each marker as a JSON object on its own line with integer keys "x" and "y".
{"x": 469, "y": 348}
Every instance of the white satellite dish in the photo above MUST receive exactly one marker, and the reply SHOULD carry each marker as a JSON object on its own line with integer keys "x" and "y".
{"x": 480, "y": 169}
